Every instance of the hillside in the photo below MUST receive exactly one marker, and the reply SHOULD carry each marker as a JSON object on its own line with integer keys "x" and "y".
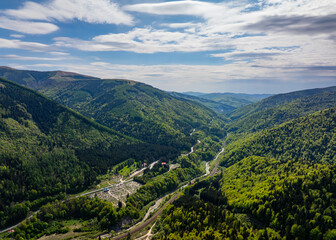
{"x": 281, "y": 108}
{"x": 277, "y": 184}
{"x": 133, "y": 108}
{"x": 257, "y": 198}
{"x": 310, "y": 138}
{"x": 276, "y": 100}
{"x": 46, "y": 149}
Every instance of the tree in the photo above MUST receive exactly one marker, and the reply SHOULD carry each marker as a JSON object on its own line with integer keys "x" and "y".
{"x": 331, "y": 235}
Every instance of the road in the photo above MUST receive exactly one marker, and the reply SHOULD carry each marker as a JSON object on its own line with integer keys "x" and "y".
{"x": 140, "y": 226}
{"x": 84, "y": 194}
{"x": 217, "y": 161}
{"x": 191, "y": 150}
{"x": 146, "y": 223}
{"x": 101, "y": 189}
{"x": 10, "y": 228}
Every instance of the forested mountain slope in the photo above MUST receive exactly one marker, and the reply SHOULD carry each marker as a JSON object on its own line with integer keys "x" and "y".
{"x": 136, "y": 109}
{"x": 278, "y": 184}
{"x": 281, "y": 108}
{"x": 46, "y": 149}
{"x": 257, "y": 198}
{"x": 311, "y": 138}
{"x": 277, "y": 100}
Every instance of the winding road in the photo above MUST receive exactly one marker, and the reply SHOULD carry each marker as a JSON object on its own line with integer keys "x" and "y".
{"x": 144, "y": 224}
{"x": 140, "y": 226}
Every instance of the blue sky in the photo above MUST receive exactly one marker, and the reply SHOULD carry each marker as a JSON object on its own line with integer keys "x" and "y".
{"x": 256, "y": 46}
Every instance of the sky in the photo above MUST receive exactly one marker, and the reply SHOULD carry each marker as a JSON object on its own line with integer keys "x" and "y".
{"x": 246, "y": 46}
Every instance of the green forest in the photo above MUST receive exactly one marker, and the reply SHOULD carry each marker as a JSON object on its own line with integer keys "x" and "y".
{"x": 275, "y": 180}
{"x": 278, "y": 184}
{"x": 47, "y": 150}
{"x": 135, "y": 109}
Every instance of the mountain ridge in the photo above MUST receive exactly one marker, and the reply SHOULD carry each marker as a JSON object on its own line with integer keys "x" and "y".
{"x": 136, "y": 109}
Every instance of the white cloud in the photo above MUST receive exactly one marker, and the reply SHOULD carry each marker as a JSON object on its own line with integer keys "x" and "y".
{"x": 146, "y": 40}
{"x": 17, "y": 36}
{"x": 27, "y": 26}
{"x": 192, "y": 8}
{"x": 235, "y": 17}
{"x": 59, "y": 53}
{"x": 181, "y": 25}
{"x": 91, "y": 11}
{"x": 201, "y": 9}
{"x": 25, "y": 58}
{"x": 18, "y": 44}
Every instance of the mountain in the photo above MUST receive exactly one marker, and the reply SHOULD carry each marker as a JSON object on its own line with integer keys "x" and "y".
{"x": 276, "y": 184}
{"x": 281, "y": 108}
{"x": 309, "y": 138}
{"x": 235, "y": 100}
{"x": 130, "y": 107}
{"x": 46, "y": 149}
{"x": 216, "y": 106}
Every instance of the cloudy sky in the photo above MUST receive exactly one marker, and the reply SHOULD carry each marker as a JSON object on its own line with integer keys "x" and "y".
{"x": 251, "y": 46}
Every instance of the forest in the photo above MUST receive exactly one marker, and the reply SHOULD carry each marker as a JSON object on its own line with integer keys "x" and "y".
{"x": 279, "y": 183}
{"x": 47, "y": 150}
{"x": 275, "y": 180}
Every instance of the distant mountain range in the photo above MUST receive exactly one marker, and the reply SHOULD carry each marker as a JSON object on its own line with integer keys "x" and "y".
{"x": 225, "y": 103}
{"x": 233, "y": 99}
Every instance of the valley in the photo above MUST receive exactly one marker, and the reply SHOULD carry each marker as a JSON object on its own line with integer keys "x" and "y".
{"x": 118, "y": 159}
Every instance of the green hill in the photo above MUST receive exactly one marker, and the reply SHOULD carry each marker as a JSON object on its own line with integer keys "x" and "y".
{"x": 46, "y": 148}
{"x": 256, "y": 198}
{"x": 277, "y": 100}
{"x": 281, "y": 108}
{"x": 133, "y": 108}
{"x": 310, "y": 138}
{"x": 277, "y": 184}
